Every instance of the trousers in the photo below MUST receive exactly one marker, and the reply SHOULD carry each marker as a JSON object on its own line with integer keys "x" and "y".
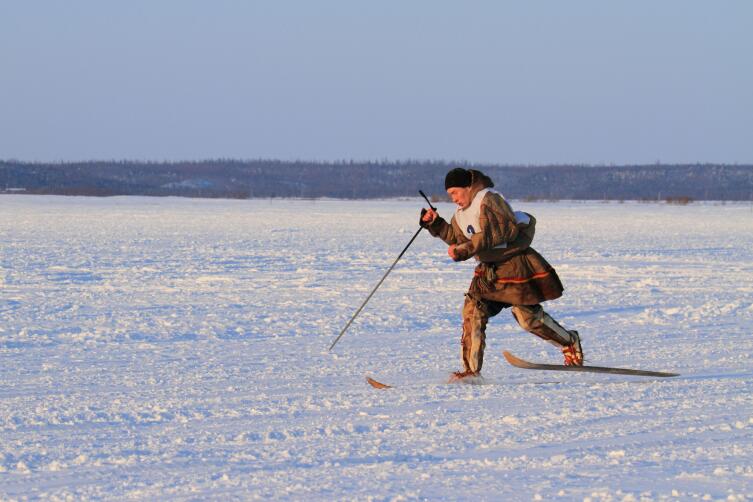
{"x": 476, "y": 314}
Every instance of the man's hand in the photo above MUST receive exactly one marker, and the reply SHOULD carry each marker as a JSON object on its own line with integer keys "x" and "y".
{"x": 452, "y": 253}
{"x": 427, "y": 217}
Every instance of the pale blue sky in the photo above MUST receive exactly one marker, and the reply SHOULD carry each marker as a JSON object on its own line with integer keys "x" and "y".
{"x": 634, "y": 81}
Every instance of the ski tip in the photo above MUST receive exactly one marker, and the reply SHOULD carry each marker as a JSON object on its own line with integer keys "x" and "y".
{"x": 377, "y": 385}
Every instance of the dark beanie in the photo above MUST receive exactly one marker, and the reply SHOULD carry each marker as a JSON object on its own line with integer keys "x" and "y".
{"x": 458, "y": 177}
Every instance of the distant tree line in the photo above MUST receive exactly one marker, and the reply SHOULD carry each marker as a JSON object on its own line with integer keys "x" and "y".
{"x": 228, "y": 178}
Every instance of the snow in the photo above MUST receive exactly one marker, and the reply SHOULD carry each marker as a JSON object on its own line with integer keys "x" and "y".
{"x": 177, "y": 349}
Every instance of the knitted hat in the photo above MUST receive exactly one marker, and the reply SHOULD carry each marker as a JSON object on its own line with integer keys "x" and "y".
{"x": 458, "y": 177}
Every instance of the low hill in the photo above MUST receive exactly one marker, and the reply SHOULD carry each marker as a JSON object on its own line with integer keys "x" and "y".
{"x": 354, "y": 180}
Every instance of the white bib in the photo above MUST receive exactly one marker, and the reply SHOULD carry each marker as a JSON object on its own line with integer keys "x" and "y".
{"x": 468, "y": 218}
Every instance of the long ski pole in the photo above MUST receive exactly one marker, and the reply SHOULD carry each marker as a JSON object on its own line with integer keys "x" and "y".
{"x": 382, "y": 279}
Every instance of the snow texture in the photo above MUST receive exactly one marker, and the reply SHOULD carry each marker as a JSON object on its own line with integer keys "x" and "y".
{"x": 177, "y": 349}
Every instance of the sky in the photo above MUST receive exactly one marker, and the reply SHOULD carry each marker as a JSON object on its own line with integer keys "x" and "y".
{"x": 539, "y": 82}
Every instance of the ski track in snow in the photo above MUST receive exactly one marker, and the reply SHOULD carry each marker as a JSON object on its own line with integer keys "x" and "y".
{"x": 177, "y": 349}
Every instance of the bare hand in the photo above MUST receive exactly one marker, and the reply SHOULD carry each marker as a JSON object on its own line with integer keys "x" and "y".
{"x": 451, "y": 252}
{"x": 428, "y": 216}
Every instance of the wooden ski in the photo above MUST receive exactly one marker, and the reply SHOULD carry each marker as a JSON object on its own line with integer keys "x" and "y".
{"x": 521, "y": 363}
{"x": 377, "y": 385}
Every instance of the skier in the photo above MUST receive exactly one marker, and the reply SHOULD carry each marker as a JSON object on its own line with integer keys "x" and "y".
{"x": 510, "y": 273}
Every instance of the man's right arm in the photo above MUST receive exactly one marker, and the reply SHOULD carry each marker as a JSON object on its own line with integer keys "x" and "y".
{"x": 438, "y": 227}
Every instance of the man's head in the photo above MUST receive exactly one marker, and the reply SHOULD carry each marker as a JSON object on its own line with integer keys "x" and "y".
{"x": 458, "y": 183}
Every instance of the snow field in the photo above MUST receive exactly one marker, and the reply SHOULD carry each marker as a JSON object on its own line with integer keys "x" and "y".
{"x": 177, "y": 349}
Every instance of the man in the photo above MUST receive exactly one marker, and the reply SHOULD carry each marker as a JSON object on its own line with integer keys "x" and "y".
{"x": 510, "y": 272}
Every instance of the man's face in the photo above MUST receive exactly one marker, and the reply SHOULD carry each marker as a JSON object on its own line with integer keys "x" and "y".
{"x": 460, "y": 196}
